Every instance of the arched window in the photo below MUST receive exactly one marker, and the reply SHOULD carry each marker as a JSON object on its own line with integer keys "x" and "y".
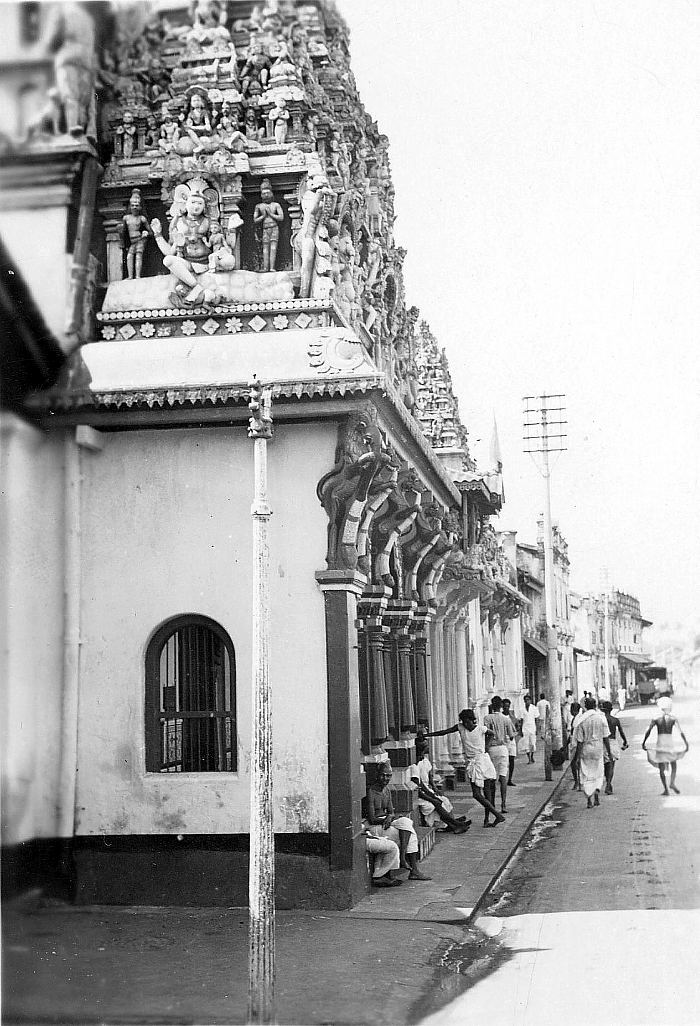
{"x": 191, "y": 698}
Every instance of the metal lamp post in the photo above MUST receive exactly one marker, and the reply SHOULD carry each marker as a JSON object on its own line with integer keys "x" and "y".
{"x": 261, "y": 876}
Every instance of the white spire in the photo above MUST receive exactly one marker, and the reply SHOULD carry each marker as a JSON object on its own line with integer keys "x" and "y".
{"x": 495, "y": 448}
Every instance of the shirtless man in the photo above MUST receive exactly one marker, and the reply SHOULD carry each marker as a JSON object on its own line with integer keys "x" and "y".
{"x": 400, "y": 829}
{"x": 614, "y": 726}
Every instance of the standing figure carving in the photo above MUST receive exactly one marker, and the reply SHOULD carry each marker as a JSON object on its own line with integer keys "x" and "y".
{"x": 279, "y": 119}
{"x": 72, "y": 42}
{"x": 313, "y": 205}
{"x": 267, "y": 217}
{"x": 134, "y": 231}
{"x": 126, "y": 134}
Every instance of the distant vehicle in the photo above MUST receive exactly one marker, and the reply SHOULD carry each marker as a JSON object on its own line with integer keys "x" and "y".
{"x": 653, "y": 682}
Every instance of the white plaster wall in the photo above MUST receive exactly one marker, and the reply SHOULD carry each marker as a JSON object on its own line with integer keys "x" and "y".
{"x": 31, "y": 626}
{"x": 167, "y": 530}
{"x": 44, "y": 266}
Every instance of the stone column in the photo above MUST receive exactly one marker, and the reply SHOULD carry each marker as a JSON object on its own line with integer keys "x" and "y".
{"x": 439, "y": 672}
{"x": 115, "y": 253}
{"x": 451, "y": 700}
{"x": 401, "y": 747}
{"x": 462, "y": 670}
{"x": 346, "y": 782}
{"x": 371, "y": 609}
{"x": 420, "y": 646}
{"x": 477, "y": 638}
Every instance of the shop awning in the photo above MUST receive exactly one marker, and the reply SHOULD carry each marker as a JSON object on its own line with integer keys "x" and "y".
{"x": 635, "y": 658}
{"x": 536, "y": 645}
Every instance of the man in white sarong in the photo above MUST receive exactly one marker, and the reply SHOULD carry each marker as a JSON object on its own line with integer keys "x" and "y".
{"x": 529, "y": 729}
{"x": 592, "y": 737}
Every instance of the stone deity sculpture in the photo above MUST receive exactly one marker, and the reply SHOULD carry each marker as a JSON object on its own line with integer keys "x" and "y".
{"x": 196, "y": 124}
{"x": 267, "y": 217}
{"x": 48, "y": 122}
{"x": 126, "y": 135}
{"x": 374, "y": 259}
{"x": 169, "y": 132}
{"x": 256, "y": 69}
{"x": 208, "y": 27}
{"x": 134, "y": 232}
{"x": 313, "y": 206}
{"x": 192, "y": 242}
{"x": 279, "y": 119}
{"x": 252, "y": 129}
{"x": 72, "y": 42}
{"x": 235, "y": 223}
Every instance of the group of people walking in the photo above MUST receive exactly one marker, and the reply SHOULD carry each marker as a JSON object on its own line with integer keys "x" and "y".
{"x": 596, "y": 739}
{"x": 594, "y": 732}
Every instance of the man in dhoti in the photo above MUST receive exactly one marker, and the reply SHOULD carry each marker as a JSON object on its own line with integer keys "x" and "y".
{"x": 592, "y": 738}
{"x": 529, "y": 729}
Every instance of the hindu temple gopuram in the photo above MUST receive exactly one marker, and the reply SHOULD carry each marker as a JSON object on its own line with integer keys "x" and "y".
{"x": 195, "y": 195}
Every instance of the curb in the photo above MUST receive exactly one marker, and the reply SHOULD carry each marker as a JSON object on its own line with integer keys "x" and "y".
{"x": 476, "y": 910}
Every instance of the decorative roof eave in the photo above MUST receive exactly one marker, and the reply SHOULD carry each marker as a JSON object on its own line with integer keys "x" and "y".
{"x": 75, "y": 405}
{"x": 200, "y": 395}
{"x": 478, "y": 485}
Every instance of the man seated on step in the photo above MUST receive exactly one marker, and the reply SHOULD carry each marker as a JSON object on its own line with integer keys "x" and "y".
{"x": 386, "y": 858}
{"x": 433, "y": 807}
{"x": 400, "y": 829}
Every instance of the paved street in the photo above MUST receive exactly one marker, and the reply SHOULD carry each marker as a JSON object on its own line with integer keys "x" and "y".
{"x": 597, "y": 918}
{"x": 380, "y": 961}
{"x": 607, "y": 897}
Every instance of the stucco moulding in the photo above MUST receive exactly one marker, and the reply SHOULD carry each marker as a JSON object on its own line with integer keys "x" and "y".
{"x": 170, "y": 322}
{"x": 187, "y": 362}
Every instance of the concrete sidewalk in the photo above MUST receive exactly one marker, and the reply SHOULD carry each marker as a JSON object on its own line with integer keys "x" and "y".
{"x": 377, "y": 962}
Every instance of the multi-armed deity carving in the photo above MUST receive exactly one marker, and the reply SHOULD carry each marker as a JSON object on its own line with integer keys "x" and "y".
{"x": 195, "y": 241}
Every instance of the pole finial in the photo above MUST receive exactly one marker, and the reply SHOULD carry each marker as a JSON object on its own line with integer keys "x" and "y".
{"x": 260, "y": 406}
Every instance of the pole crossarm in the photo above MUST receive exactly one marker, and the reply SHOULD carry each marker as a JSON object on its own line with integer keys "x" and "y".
{"x": 544, "y": 432}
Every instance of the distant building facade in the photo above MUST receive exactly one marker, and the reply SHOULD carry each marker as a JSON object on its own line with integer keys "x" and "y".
{"x": 627, "y": 655}
{"x": 530, "y": 565}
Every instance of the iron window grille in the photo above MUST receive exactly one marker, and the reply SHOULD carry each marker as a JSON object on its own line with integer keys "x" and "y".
{"x": 191, "y": 698}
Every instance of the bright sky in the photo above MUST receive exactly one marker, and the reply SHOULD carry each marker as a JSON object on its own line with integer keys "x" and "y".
{"x": 546, "y": 157}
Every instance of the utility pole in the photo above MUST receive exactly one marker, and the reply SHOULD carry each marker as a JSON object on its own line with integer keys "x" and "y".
{"x": 261, "y": 875}
{"x": 606, "y": 628}
{"x": 544, "y": 432}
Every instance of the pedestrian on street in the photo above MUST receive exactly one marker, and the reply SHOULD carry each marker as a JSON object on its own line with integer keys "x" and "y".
{"x": 529, "y": 729}
{"x": 621, "y": 697}
{"x": 614, "y": 726}
{"x": 499, "y": 733}
{"x": 544, "y": 709}
{"x": 592, "y": 743}
{"x": 667, "y": 751}
{"x": 512, "y": 743}
{"x": 478, "y": 765}
{"x": 576, "y": 714}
